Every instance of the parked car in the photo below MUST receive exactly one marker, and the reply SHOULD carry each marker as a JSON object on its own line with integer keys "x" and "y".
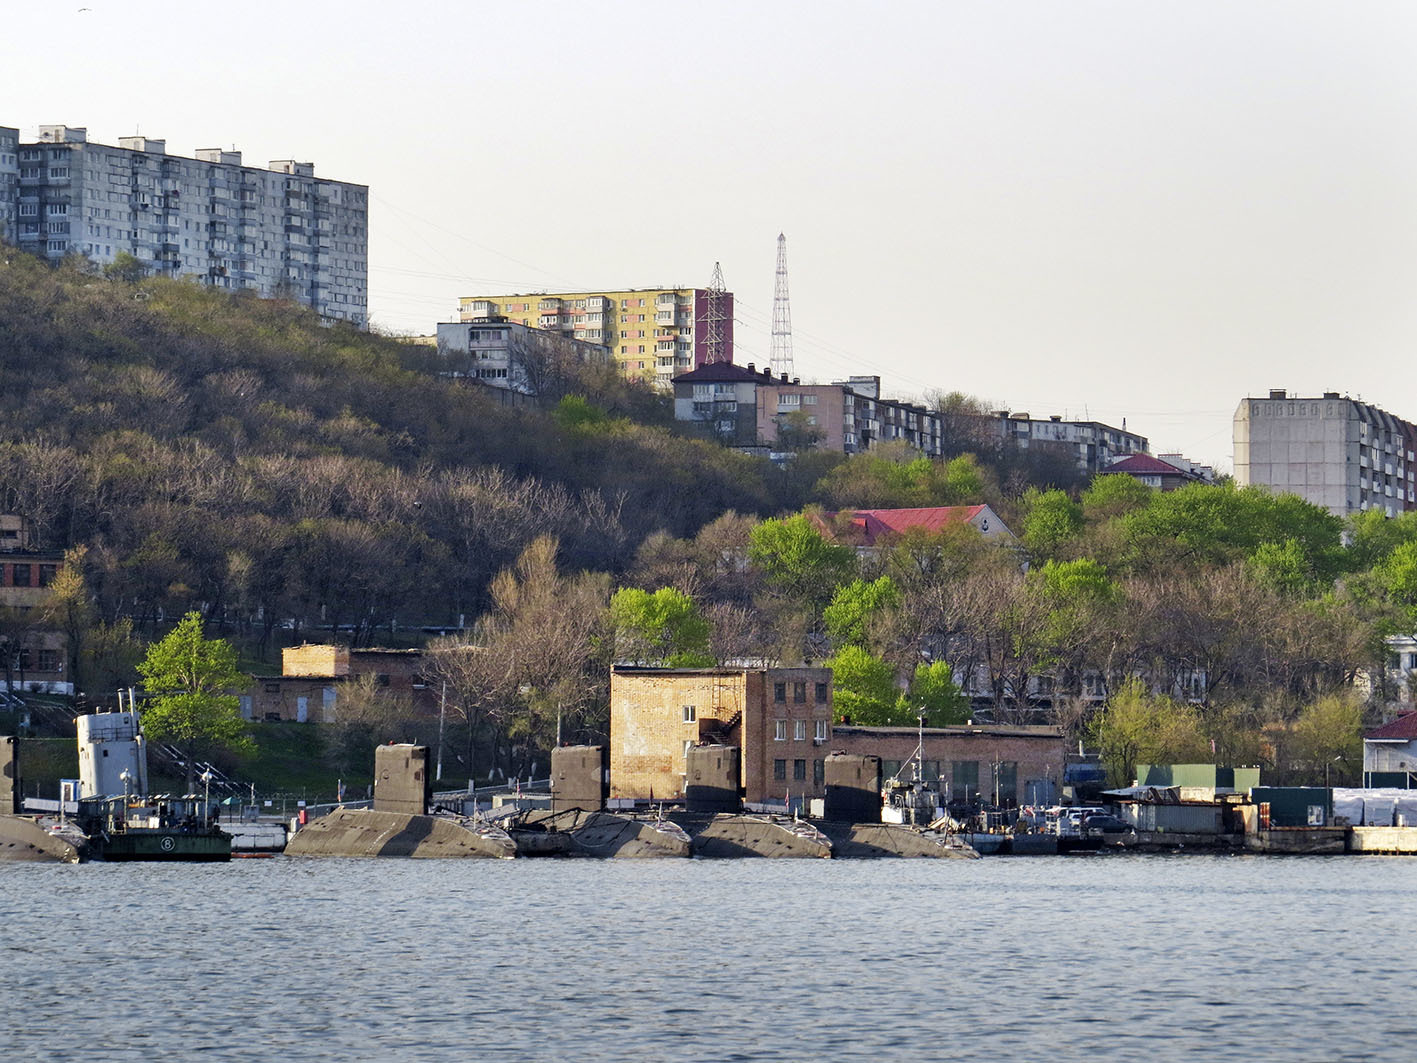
{"x": 1105, "y": 822}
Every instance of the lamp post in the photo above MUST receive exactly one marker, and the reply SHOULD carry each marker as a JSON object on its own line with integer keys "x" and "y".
{"x": 206, "y": 778}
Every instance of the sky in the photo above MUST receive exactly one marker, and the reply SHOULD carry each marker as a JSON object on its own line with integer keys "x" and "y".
{"x": 1113, "y": 210}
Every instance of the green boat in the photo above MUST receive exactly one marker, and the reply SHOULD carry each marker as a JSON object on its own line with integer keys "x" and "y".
{"x": 179, "y": 829}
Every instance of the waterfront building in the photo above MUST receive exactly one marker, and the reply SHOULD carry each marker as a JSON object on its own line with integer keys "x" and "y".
{"x": 1390, "y": 753}
{"x": 781, "y": 721}
{"x": 653, "y": 334}
{"x": 280, "y": 231}
{"x": 308, "y": 687}
{"x": 507, "y": 354}
{"x": 1334, "y": 451}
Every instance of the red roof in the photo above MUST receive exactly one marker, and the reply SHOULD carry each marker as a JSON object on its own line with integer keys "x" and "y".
{"x": 1402, "y": 728}
{"x": 874, "y": 523}
{"x": 1145, "y": 463}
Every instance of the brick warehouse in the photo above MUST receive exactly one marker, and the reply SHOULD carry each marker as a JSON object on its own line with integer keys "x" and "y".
{"x": 1010, "y": 765}
{"x": 781, "y": 720}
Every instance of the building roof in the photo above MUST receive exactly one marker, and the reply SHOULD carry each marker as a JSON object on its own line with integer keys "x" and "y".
{"x": 871, "y": 524}
{"x": 725, "y": 372}
{"x": 1402, "y": 729}
{"x": 1144, "y": 463}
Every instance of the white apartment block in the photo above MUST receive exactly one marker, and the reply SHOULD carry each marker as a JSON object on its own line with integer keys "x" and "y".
{"x": 1336, "y": 452}
{"x": 279, "y": 231}
{"x": 508, "y": 354}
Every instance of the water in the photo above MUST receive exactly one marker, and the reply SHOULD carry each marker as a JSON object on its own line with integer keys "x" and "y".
{"x": 1145, "y": 958}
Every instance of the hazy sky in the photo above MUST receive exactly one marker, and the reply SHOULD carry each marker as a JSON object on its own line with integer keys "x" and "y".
{"x": 1118, "y": 210}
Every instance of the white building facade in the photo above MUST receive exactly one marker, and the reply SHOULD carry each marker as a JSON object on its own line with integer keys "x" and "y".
{"x": 510, "y": 355}
{"x": 278, "y": 232}
{"x": 1336, "y": 452}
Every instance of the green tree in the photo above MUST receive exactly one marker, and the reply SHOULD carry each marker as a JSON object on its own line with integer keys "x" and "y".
{"x": 1328, "y": 738}
{"x": 665, "y": 625}
{"x": 1050, "y": 520}
{"x": 188, "y": 679}
{"x": 934, "y": 689}
{"x": 1139, "y": 728}
{"x": 855, "y": 606}
{"x": 798, "y": 560}
{"x": 1115, "y": 495}
{"x": 864, "y": 689}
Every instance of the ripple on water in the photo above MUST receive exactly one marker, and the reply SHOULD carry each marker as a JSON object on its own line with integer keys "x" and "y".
{"x": 1163, "y": 958}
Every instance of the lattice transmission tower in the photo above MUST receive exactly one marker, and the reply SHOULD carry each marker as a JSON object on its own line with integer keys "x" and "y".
{"x": 781, "y": 362}
{"x": 715, "y": 341}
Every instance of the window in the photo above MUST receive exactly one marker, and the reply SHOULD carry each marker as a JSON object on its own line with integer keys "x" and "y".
{"x": 821, "y": 692}
{"x": 799, "y": 693}
{"x": 779, "y": 692}
{"x": 20, "y": 575}
{"x": 49, "y": 660}
{"x": 779, "y": 730}
{"x": 819, "y": 771}
{"x": 964, "y": 778}
{"x": 779, "y": 769}
{"x": 690, "y": 714}
{"x": 799, "y": 730}
{"x": 799, "y": 770}
{"x": 1008, "y": 783}
{"x": 46, "y": 574}
{"x": 823, "y": 729}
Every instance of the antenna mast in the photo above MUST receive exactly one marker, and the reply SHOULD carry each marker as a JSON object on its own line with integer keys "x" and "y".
{"x": 781, "y": 315}
{"x": 715, "y": 348}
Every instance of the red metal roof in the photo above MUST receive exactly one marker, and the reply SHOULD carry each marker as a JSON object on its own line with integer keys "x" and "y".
{"x": 1404, "y": 727}
{"x": 1145, "y": 463}
{"x": 877, "y": 522}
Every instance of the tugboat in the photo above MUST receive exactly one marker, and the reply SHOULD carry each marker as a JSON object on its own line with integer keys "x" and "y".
{"x": 153, "y": 828}
{"x": 121, "y": 821}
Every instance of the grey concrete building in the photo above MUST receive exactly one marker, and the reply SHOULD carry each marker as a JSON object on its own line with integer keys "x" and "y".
{"x": 1334, "y": 451}
{"x": 277, "y": 231}
{"x": 9, "y": 181}
{"x": 507, "y": 354}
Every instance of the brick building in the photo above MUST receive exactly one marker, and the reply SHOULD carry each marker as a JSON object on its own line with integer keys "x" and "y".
{"x": 307, "y": 690}
{"x": 781, "y": 721}
{"x": 1008, "y": 765}
{"x": 36, "y": 657}
{"x": 780, "y": 718}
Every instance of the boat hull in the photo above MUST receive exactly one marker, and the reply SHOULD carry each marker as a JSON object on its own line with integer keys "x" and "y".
{"x": 165, "y": 847}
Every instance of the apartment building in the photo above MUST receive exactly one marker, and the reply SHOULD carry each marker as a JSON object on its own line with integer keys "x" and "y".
{"x": 507, "y": 354}
{"x": 9, "y": 181}
{"x": 280, "y": 231}
{"x": 1336, "y": 452}
{"x": 1093, "y": 445}
{"x": 653, "y": 334}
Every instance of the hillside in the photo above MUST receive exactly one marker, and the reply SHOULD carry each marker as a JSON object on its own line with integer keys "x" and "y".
{"x": 230, "y": 453}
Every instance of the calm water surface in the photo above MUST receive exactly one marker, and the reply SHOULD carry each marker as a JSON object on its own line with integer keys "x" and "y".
{"x": 1144, "y": 958}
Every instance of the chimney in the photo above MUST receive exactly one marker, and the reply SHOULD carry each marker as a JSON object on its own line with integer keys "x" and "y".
{"x": 1277, "y": 394}
{"x": 752, "y": 368}
{"x": 1330, "y": 394}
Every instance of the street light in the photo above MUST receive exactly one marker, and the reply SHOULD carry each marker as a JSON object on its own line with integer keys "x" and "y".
{"x": 206, "y": 778}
